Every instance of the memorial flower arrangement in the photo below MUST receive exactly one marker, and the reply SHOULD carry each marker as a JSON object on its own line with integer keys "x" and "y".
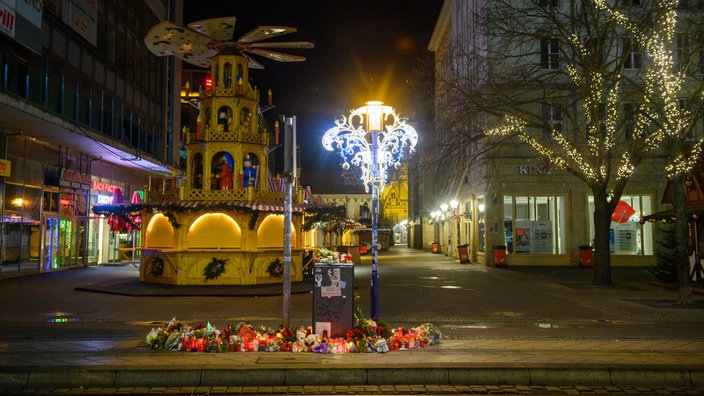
{"x": 366, "y": 336}
{"x": 330, "y": 256}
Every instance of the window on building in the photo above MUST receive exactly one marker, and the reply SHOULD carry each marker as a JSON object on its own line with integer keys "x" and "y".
{"x": 690, "y": 56}
{"x": 535, "y": 224}
{"x": 597, "y": 122}
{"x": 549, "y": 53}
{"x": 467, "y": 216}
{"x": 481, "y": 224}
{"x": 594, "y": 57}
{"x": 700, "y": 51}
{"x": 690, "y": 4}
{"x": 696, "y": 129}
{"x": 627, "y": 236}
{"x": 629, "y": 120}
{"x": 552, "y": 119}
{"x": 633, "y": 54}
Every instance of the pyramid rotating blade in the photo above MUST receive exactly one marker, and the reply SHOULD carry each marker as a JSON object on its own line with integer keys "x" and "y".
{"x": 201, "y": 58}
{"x": 277, "y": 56}
{"x": 292, "y": 44}
{"x": 219, "y": 29}
{"x": 169, "y": 38}
{"x": 265, "y": 32}
{"x": 253, "y": 64}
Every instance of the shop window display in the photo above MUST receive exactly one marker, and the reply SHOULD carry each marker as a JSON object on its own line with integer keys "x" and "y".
{"x": 626, "y": 235}
{"x": 534, "y": 224}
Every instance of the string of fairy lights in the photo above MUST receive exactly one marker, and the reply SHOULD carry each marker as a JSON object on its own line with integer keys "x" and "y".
{"x": 659, "y": 122}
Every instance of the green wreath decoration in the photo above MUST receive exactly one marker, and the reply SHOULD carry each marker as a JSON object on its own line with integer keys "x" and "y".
{"x": 156, "y": 266}
{"x": 276, "y": 268}
{"x": 214, "y": 269}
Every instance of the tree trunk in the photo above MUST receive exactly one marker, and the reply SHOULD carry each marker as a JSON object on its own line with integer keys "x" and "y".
{"x": 602, "y": 225}
{"x": 682, "y": 240}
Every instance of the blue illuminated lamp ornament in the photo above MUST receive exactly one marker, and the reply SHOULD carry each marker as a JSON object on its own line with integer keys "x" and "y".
{"x": 389, "y": 137}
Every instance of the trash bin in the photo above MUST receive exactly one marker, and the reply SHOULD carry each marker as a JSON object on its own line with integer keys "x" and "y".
{"x": 500, "y": 256}
{"x": 436, "y": 247}
{"x": 463, "y": 252}
{"x": 585, "y": 256}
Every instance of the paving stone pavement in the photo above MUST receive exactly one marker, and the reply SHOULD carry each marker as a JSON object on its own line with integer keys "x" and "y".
{"x": 667, "y": 363}
{"x": 370, "y": 390}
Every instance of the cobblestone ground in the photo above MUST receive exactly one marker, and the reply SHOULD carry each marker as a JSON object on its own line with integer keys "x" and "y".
{"x": 369, "y": 390}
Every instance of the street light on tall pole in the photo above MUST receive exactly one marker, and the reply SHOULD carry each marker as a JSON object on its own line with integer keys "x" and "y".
{"x": 373, "y": 138}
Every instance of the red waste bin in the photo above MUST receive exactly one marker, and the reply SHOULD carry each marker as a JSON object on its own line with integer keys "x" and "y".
{"x": 463, "y": 252}
{"x": 500, "y": 256}
{"x": 585, "y": 256}
{"x": 436, "y": 247}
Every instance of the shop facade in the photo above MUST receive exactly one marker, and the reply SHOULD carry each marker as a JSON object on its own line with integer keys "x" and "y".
{"x": 80, "y": 106}
{"x": 542, "y": 216}
{"x": 47, "y": 222}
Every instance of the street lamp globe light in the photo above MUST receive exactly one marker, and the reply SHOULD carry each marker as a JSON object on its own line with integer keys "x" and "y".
{"x": 454, "y": 204}
{"x": 373, "y": 138}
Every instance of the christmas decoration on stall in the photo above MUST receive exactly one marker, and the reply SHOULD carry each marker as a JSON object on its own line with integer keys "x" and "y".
{"x": 156, "y": 266}
{"x": 214, "y": 269}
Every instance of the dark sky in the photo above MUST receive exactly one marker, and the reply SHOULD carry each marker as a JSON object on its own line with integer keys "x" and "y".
{"x": 364, "y": 50}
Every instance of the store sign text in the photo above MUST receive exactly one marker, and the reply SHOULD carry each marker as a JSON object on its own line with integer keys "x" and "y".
{"x": 31, "y": 10}
{"x": 104, "y": 199}
{"x": 74, "y": 180}
{"x": 5, "y": 168}
{"x": 533, "y": 169}
{"x": 104, "y": 187}
{"x": 7, "y": 20}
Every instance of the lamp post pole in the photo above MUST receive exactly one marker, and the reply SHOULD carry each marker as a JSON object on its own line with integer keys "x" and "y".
{"x": 375, "y": 226}
{"x": 289, "y": 166}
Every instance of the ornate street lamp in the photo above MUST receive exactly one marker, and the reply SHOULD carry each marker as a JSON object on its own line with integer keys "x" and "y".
{"x": 373, "y": 138}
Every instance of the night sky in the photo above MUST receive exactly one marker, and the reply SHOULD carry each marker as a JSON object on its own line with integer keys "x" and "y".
{"x": 364, "y": 50}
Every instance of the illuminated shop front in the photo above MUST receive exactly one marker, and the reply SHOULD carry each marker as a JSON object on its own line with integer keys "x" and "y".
{"x": 111, "y": 241}
{"x": 44, "y": 217}
{"x": 544, "y": 217}
{"x": 46, "y": 222}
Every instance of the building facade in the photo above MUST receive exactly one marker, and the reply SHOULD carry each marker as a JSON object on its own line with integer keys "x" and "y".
{"x": 508, "y": 196}
{"x": 87, "y": 117}
{"x": 393, "y": 208}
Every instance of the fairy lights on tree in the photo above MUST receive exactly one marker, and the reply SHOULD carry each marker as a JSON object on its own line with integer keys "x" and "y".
{"x": 667, "y": 85}
{"x": 595, "y": 69}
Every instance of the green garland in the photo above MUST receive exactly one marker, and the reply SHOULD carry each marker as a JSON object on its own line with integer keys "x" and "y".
{"x": 276, "y": 268}
{"x": 156, "y": 266}
{"x": 214, "y": 269}
{"x": 172, "y": 219}
{"x": 253, "y": 220}
{"x": 324, "y": 214}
